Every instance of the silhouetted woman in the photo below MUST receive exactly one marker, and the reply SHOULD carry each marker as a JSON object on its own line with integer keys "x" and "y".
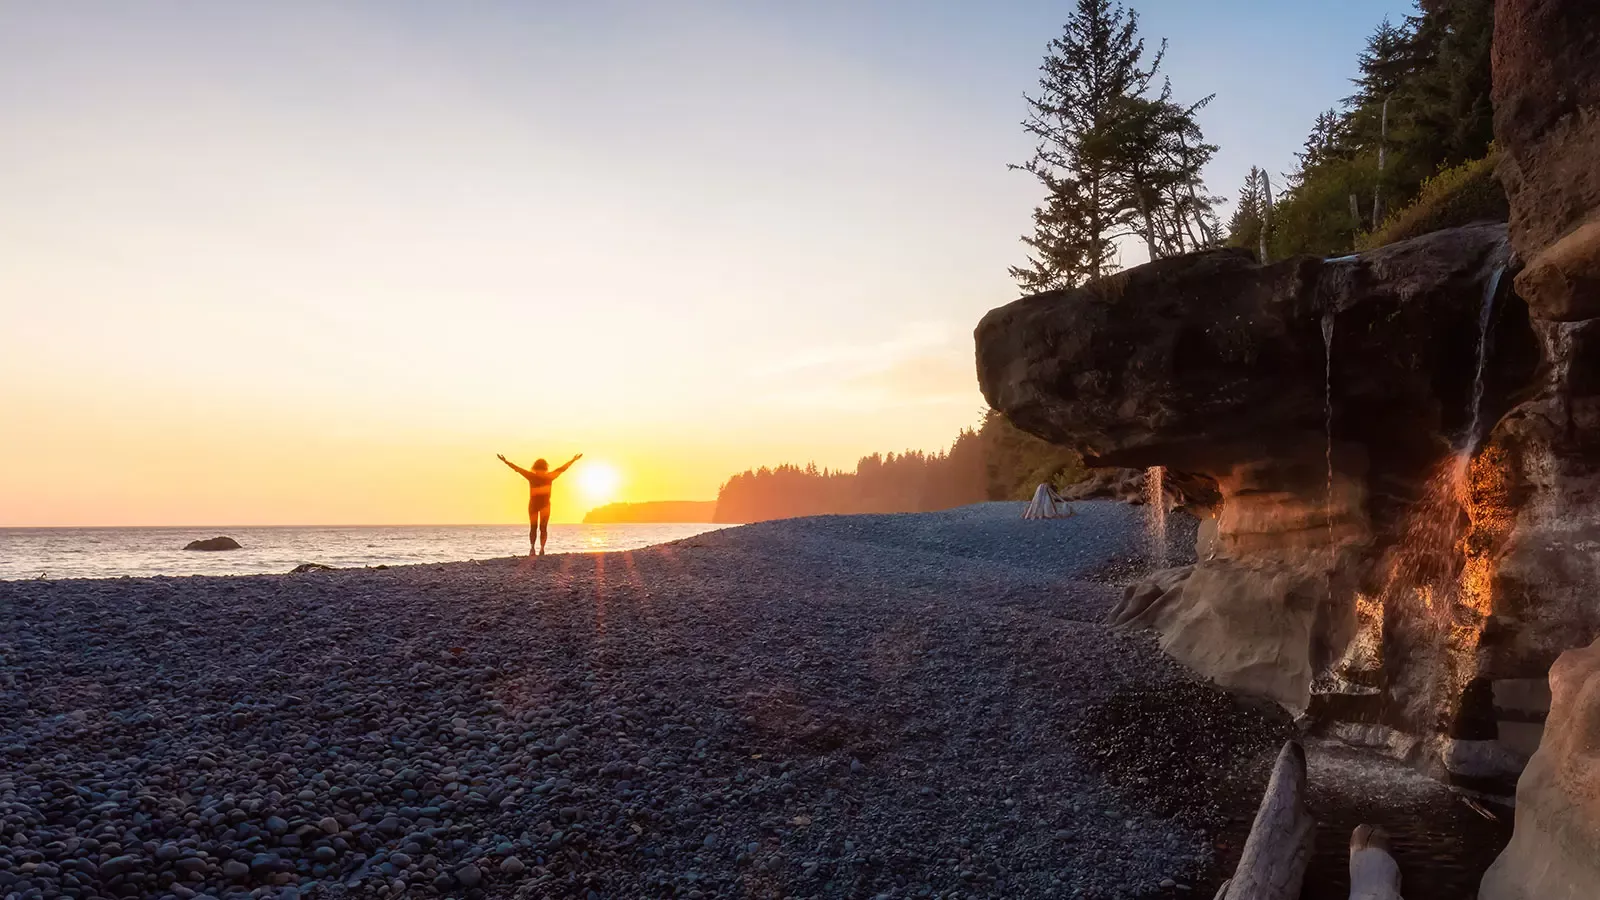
{"x": 539, "y": 480}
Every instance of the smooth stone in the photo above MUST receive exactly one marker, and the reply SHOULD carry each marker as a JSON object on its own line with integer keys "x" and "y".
{"x": 118, "y": 865}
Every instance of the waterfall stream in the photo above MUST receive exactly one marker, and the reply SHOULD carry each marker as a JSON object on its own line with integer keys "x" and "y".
{"x": 1327, "y": 427}
{"x": 1155, "y": 496}
{"x": 1485, "y": 313}
{"x": 1436, "y": 588}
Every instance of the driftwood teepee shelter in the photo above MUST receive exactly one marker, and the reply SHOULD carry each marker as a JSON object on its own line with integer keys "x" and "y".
{"x": 1047, "y": 504}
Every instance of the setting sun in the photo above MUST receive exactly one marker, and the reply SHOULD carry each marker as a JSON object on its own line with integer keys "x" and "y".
{"x": 599, "y": 481}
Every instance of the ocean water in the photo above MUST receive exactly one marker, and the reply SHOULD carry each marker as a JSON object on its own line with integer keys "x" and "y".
{"x": 111, "y": 552}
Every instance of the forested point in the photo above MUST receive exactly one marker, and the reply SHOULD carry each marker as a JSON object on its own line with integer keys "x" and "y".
{"x": 993, "y": 462}
{"x": 652, "y": 511}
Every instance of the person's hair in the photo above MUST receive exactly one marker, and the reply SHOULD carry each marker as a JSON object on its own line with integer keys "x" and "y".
{"x": 539, "y": 465}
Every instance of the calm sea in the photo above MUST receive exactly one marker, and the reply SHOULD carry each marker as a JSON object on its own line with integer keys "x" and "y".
{"x": 109, "y": 552}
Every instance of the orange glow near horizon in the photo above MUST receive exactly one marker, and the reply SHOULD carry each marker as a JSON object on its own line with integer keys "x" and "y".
{"x": 129, "y": 456}
{"x": 235, "y": 291}
{"x": 598, "y": 481}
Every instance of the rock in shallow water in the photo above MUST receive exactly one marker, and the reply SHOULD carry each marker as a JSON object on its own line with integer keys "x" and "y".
{"x": 214, "y": 544}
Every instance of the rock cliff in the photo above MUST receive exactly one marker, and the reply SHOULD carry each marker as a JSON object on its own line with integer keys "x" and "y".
{"x": 1546, "y": 451}
{"x": 1396, "y": 456}
{"x": 1304, "y": 409}
{"x": 1555, "y": 850}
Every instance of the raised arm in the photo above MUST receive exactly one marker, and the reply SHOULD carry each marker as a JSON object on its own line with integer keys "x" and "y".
{"x": 565, "y": 466}
{"x": 520, "y": 470}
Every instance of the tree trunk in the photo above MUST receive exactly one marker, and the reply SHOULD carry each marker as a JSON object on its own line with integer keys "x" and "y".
{"x": 1149, "y": 226}
{"x": 1278, "y": 850}
{"x": 1205, "y": 230}
{"x": 1383, "y": 159}
{"x": 1374, "y": 875}
{"x": 1266, "y": 211}
{"x": 1180, "y": 218}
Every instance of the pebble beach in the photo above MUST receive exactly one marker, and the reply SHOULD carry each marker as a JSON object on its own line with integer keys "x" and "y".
{"x": 869, "y": 706}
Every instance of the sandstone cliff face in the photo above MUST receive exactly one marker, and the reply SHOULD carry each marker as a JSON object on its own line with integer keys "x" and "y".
{"x": 1546, "y": 97}
{"x": 1402, "y": 499}
{"x": 1545, "y": 453}
{"x": 1555, "y": 851}
{"x": 1307, "y": 463}
{"x": 1397, "y": 456}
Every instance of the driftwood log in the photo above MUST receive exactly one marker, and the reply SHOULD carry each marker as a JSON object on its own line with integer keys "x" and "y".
{"x": 1374, "y": 875}
{"x": 1278, "y": 849}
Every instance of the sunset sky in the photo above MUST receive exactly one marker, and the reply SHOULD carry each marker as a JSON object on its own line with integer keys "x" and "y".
{"x": 308, "y": 262}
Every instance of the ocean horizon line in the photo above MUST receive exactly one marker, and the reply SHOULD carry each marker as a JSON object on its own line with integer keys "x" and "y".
{"x": 521, "y": 524}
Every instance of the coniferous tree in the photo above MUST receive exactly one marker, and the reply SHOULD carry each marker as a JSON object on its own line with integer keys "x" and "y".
{"x": 1249, "y": 213}
{"x": 1090, "y": 70}
{"x": 1158, "y": 153}
{"x": 1390, "y": 58}
{"x": 1116, "y": 159}
{"x": 1450, "y": 93}
{"x": 1326, "y": 142}
{"x": 1421, "y": 104}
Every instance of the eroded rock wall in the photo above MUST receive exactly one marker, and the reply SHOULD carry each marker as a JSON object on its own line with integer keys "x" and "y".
{"x": 1546, "y": 95}
{"x": 1219, "y": 369}
{"x": 1555, "y": 850}
{"x": 1545, "y": 589}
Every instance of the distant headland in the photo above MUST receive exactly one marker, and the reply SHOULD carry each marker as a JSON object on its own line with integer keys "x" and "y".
{"x": 652, "y": 512}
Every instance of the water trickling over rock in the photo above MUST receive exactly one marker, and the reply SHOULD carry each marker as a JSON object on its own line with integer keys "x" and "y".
{"x": 1155, "y": 498}
{"x": 1327, "y": 430}
{"x": 1324, "y": 490}
{"x": 1485, "y": 315}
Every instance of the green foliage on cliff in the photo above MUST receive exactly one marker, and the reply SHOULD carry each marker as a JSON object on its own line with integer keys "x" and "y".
{"x": 1458, "y": 195}
{"x": 1421, "y": 110}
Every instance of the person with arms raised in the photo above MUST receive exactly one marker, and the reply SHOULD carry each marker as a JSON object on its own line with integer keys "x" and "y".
{"x": 540, "y": 479}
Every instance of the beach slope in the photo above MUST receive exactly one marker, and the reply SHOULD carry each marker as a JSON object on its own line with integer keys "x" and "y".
{"x": 913, "y": 705}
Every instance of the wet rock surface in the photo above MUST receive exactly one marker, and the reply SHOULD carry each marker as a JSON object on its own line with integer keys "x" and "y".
{"x": 1302, "y": 410}
{"x": 838, "y": 707}
{"x": 1440, "y": 842}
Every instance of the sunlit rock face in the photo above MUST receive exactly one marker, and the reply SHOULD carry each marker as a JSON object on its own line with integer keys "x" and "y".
{"x": 1546, "y": 577}
{"x": 1555, "y": 850}
{"x": 1219, "y": 369}
{"x": 1402, "y": 499}
{"x": 1546, "y": 95}
{"x": 1544, "y": 591}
